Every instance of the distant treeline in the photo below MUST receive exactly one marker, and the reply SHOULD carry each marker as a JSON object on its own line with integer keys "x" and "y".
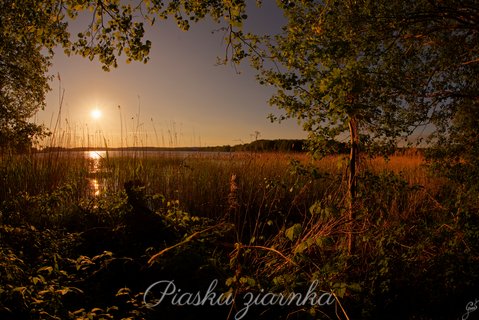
{"x": 279, "y": 145}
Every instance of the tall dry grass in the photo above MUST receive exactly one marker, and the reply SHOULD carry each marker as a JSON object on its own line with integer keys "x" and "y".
{"x": 201, "y": 181}
{"x": 269, "y": 188}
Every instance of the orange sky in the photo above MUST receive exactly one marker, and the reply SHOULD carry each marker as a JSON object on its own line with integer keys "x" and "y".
{"x": 181, "y": 97}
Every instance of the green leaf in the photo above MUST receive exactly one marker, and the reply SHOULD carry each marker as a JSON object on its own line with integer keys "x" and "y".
{"x": 63, "y": 291}
{"x": 230, "y": 281}
{"x": 49, "y": 269}
{"x": 37, "y": 280}
{"x": 248, "y": 280}
{"x": 355, "y": 287}
{"x": 340, "y": 289}
{"x": 294, "y": 232}
{"x": 300, "y": 248}
{"x": 78, "y": 311}
{"x": 123, "y": 292}
{"x": 20, "y": 289}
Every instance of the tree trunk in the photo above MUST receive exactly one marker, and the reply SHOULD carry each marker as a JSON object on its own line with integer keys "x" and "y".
{"x": 352, "y": 184}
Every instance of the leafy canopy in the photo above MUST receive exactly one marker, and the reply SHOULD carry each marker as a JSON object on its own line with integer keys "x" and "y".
{"x": 391, "y": 65}
{"x": 23, "y": 77}
{"x": 395, "y": 66}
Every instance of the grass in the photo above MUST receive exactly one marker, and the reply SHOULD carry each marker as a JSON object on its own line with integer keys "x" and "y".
{"x": 103, "y": 229}
{"x": 267, "y": 183}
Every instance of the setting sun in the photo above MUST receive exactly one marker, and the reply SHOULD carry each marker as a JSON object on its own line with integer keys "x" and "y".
{"x": 96, "y": 113}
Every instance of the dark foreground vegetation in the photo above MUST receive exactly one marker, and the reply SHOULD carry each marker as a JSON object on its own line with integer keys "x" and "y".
{"x": 84, "y": 239}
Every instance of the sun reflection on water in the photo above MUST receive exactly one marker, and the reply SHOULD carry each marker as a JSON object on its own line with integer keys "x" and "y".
{"x": 95, "y": 155}
{"x": 94, "y": 167}
{"x": 95, "y": 186}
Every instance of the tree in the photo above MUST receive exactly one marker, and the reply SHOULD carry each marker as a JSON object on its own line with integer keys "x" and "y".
{"x": 118, "y": 28}
{"x": 448, "y": 32}
{"x": 373, "y": 72}
{"x": 334, "y": 73}
{"x": 455, "y": 154}
{"x": 23, "y": 78}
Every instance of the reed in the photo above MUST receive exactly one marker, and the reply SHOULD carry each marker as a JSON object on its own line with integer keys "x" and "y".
{"x": 268, "y": 188}
{"x": 284, "y": 215}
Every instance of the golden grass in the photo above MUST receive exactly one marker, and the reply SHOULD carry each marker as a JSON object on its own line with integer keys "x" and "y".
{"x": 413, "y": 168}
{"x": 266, "y": 182}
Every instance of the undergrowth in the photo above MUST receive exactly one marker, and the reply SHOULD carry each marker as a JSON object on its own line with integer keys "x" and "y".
{"x": 255, "y": 223}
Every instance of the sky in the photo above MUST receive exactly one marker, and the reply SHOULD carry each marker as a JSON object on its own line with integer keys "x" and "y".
{"x": 179, "y": 98}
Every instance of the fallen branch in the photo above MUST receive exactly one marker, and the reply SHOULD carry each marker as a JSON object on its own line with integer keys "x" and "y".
{"x": 179, "y": 244}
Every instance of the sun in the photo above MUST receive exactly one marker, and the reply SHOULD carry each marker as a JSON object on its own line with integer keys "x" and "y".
{"x": 96, "y": 113}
